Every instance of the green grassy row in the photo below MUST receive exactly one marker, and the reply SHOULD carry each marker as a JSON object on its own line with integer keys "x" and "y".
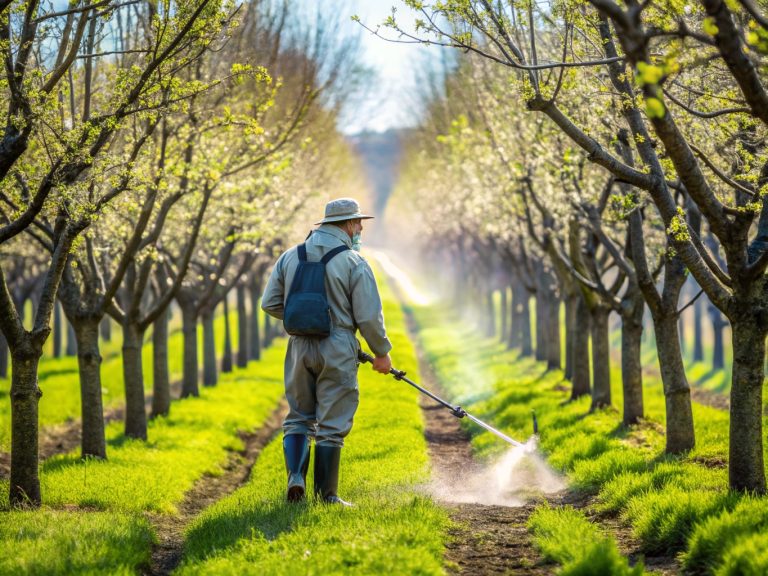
{"x": 94, "y": 519}
{"x": 393, "y": 528}
{"x": 675, "y": 505}
{"x": 566, "y": 536}
{"x": 59, "y": 382}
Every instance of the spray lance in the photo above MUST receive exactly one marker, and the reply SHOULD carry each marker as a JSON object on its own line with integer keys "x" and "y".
{"x": 457, "y": 411}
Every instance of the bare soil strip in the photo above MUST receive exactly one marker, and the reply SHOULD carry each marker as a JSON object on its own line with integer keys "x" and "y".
{"x": 167, "y": 553}
{"x": 485, "y": 539}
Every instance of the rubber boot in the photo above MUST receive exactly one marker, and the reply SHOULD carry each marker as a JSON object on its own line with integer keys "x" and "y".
{"x": 327, "y": 459}
{"x": 296, "y": 451}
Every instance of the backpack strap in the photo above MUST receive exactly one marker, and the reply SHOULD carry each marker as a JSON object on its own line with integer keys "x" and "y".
{"x": 329, "y": 256}
{"x": 302, "y": 250}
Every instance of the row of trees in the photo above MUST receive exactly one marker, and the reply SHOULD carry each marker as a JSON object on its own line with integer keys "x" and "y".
{"x": 600, "y": 155}
{"x": 153, "y": 152}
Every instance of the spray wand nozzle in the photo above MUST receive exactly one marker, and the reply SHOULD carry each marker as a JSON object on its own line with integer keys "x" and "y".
{"x": 457, "y": 411}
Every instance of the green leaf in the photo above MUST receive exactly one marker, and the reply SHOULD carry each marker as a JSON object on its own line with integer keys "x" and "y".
{"x": 709, "y": 26}
{"x": 654, "y": 108}
{"x": 649, "y": 73}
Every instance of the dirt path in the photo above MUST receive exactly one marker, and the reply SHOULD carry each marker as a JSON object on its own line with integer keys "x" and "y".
{"x": 485, "y": 539}
{"x": 167, "y": 553}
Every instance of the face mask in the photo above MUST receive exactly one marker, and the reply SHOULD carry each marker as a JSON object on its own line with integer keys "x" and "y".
{"x": 356, "y": 242}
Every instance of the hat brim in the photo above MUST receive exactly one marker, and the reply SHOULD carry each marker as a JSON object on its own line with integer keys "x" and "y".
{"x": 343, "y": 217}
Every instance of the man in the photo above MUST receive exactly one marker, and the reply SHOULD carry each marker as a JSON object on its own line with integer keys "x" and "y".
{"x": 321, "y": 373}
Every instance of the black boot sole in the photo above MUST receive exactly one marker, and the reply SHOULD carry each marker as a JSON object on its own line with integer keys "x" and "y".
{"x": 295, "y": 494}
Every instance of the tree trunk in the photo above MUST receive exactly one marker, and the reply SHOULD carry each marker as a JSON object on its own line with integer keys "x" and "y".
{"x": 649, "y": 334}
{"x": 106, "y": 329}
{"x": 161, "y": 382}
{"x": 71, "y": 341}
{"x": 242, "y": 328}
{"x": 503, "y": 313}
{"x": 515, "y": 316}
{"x": 3, "y": 356}
{"x": 93, "y": 441}
{"x": 189, "y": 331}
{"x": 633, "y": 307}
{"x": 542, "y": 311}
{"x": 57, "y": 332}
{"x": 226, "y": 359}
{"x": 698, "y": 338}
{"x": 580, "y": 381}
{"x": 554, "y": 353}
{"x": 254, "y": 340}
{"x": 718, "y": 341}
{"x": 746, "y": 470}
{"x": 25, "y": 395}
{"x": 570, "y": 334}
{"x": 133, "y": 378}
{"x": 526, "y": 340}
{"x": 680, "y": 433}
{"x": 210, "y": 375}
{"x": 490, "y": 315}
{"x": 601, "y": 358}
{"x": 681, "y": 328}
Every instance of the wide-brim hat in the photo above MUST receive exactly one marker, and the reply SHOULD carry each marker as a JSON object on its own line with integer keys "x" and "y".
{"x": 343, "y": 209}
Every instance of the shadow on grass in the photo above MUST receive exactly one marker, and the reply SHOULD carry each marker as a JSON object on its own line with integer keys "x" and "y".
{"x": 43, "y": 373}
{"x": 621, "y": 431}
{"x": 268, "y": 519}
{"x": 61, "y": 462}
{"x": 722, "y": 386}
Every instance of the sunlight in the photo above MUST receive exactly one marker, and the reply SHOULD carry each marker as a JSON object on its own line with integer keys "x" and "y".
{"x": 404, "y": 282}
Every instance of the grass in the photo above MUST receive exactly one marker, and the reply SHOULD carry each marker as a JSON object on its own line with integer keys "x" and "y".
{"x": 154, "y": 475}
{"x": 393, "y": 528}
{"x": 566, "y": 536}
{"x": 101, "y": 504}
{"x": 61, "y": 388}
{"x": 58, "y": 542}
{"x": 737, "y": 537}
{"x": 668, "y": 500}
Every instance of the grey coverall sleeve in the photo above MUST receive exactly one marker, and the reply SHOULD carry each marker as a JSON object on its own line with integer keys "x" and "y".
{"x": 272, "y": 301}
{"x": 366, "y": 307}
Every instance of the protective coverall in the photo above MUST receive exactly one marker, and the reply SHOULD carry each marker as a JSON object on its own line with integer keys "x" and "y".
{"x": 321, "y": 374}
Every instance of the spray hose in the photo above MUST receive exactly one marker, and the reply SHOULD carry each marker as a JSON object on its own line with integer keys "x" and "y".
{"x": 457, "y": 411}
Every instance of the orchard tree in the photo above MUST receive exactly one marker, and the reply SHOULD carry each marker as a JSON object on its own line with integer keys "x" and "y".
{"x": 682, "y": 136}
{"x": 49, "y": 159}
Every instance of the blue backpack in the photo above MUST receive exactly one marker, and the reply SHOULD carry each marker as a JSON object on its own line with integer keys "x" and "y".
{"x": 307, "y": 312}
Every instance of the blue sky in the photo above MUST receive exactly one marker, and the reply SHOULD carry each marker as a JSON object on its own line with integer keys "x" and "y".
{"x": 391, "y": 98}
